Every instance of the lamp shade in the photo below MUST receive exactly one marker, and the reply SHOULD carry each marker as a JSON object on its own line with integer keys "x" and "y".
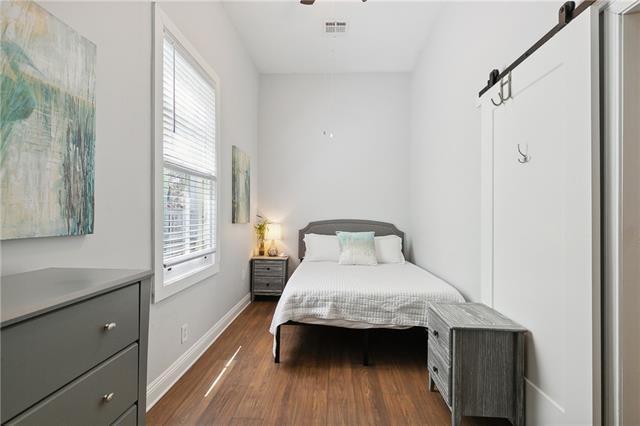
{"x": 274, "y": 232}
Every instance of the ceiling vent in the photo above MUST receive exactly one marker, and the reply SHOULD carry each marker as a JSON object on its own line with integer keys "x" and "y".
{"x": 335, "y": 27}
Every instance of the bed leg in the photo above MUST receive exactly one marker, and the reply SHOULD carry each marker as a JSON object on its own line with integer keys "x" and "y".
{"x": 427, "y": 346}
{"x": 277, "y": 354}
{"x": 365, "y": 348}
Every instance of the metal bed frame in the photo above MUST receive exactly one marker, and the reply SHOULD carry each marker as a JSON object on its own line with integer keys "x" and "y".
{"x": 329, "y": 227}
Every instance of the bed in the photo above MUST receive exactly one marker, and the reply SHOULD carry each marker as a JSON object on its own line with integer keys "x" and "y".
{"x": 391, "y": 296}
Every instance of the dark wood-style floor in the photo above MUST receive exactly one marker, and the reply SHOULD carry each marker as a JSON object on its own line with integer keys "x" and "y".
{"x": 320, "y": 381}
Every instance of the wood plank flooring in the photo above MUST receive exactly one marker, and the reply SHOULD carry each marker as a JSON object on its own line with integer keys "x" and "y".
{"x": 320, "y": 381}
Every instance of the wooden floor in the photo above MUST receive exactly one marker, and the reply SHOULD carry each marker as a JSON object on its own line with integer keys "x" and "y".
{"x": 320, "y": 381}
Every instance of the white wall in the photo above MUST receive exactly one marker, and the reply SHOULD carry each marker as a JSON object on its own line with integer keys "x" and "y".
{"x": 359, "y": 174}
{"x": 122, "y": 238}
{"x": 468, "y": 40}
{"x": 122, "y": 232}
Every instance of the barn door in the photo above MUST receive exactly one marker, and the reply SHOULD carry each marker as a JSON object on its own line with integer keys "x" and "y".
{"x": 540, "y": 208}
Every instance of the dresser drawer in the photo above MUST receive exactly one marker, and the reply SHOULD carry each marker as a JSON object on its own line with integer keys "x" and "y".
{"x": 439, "y": 373}
{"x": 129, "y": 418}
{"x": 42, "y": 354}
{"x": 268, "y": 268}
{"x": 98, "y": 397}
{"x": 439, "y": 334}
{"x": 267, "y": 284}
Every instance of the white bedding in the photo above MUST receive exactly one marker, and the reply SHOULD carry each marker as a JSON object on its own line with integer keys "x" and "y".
{"x": 354, "y": 296}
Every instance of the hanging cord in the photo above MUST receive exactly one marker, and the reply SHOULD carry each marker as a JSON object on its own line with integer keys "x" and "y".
{"x": 332, "y": 65}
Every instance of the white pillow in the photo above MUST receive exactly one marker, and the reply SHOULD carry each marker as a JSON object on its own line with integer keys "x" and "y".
{"x": 389, "y": 249}
{"x": 319, "y": 248}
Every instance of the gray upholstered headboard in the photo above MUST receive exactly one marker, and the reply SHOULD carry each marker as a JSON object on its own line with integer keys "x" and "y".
{"x": 329, "y": 227}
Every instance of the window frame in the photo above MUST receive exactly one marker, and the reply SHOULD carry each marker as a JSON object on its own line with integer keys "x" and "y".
{"x": 162, "y": 288}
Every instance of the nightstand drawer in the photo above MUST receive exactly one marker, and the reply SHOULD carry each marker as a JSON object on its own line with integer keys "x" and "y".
{"x": 439, "y": 334}
{"x": 268, "y": 284}
{"x": 439, "y": 373}
{"x": 268, "y": 268}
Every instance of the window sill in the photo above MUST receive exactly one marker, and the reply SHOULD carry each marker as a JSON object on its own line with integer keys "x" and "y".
{"x": 176, "y": 285}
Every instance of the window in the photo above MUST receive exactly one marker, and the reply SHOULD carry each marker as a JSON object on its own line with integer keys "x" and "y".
{"x": 185, "y": 162}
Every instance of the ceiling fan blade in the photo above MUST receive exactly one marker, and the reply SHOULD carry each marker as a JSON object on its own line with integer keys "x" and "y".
{"x": 310, "y": 2}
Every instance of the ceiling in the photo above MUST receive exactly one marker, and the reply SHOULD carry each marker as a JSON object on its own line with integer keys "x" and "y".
{"x": 287, "y": 37}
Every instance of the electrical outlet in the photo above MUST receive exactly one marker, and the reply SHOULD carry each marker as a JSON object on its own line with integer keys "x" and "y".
{"x": 243, "y": 275}
{"x": 184, "y": 333}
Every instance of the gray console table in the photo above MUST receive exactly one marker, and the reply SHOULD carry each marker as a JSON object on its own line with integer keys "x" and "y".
{"x": 476, "y": 361}
{"x": 74, "y": 346}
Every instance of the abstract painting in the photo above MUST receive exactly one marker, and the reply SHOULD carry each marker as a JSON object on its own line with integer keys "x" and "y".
{"x": 47, "y": 125}
{"x": 240, "y": 185}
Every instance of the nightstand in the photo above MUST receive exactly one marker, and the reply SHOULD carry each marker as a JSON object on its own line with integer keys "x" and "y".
{"x": 268, "y": 275}
{"x": 476, "y": 360}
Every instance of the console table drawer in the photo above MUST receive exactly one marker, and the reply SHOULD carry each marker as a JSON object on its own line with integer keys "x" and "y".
{"x": 42, "y": 354}
{"x": 98, "y": 397}
{"x": 439, "y": 373}
{"x": 439, "y": 334}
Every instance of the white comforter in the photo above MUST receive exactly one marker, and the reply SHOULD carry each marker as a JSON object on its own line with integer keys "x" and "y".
{"x": 384, "y": 296}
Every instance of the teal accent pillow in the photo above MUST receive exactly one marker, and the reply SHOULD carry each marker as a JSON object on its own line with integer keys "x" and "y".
{"x": 357, "y": 248}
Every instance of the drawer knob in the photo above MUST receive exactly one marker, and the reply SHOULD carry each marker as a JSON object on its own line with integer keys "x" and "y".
{"x": 108, "y": 397}
{"x": 435, "y": 369}
{"x": 268, "y": 269}
{"x": 109, "y": 326}
{"x": 268, "y": 284}
{"x": 435, "y": 333}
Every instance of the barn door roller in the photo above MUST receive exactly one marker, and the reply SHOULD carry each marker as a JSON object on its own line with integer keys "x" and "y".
{"x": 566, "y": 14}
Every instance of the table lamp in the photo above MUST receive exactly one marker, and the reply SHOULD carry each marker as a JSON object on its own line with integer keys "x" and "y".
{"x": 274, "y": 233}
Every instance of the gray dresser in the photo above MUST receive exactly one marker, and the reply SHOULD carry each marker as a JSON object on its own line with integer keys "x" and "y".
{"x": 476, "y": 361}
{"x": 74, "y": 346}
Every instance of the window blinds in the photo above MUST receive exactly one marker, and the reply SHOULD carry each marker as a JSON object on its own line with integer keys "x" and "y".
{"x": 189, "y": 157}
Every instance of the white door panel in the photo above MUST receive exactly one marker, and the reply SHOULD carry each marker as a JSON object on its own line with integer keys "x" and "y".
{"x": 540, "y": 222}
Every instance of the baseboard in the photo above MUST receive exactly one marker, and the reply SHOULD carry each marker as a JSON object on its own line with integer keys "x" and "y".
{"x": 550, "y": 400}
{"x": 164, "y": 382}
